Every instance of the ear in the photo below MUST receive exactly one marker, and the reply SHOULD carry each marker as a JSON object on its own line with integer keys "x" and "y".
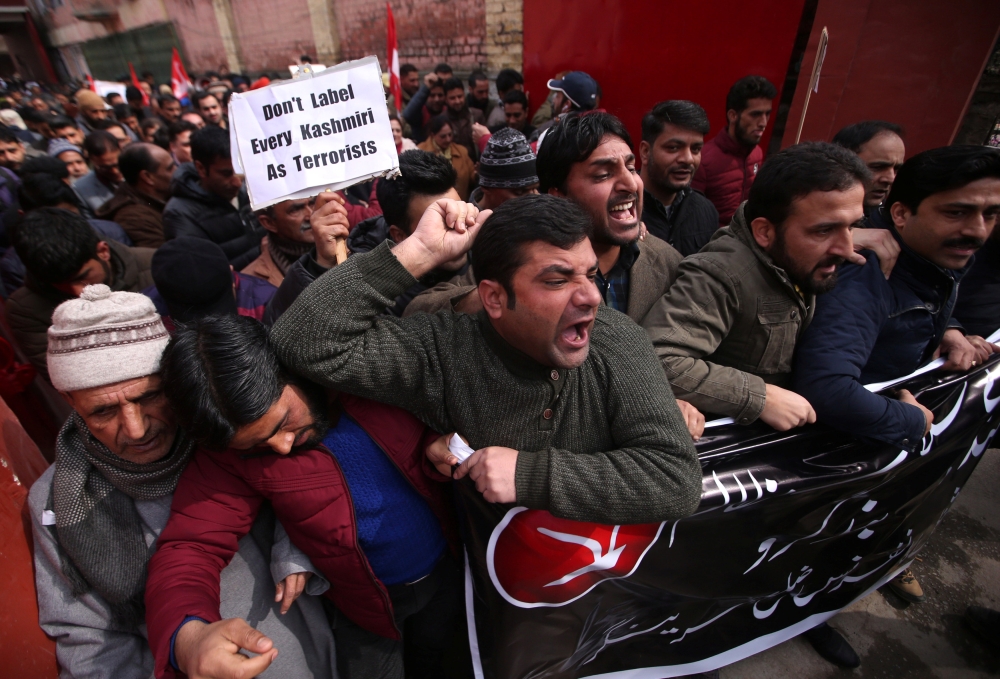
{"x": 494, "y": 298}
{"x": 899, "y": 213}
{"x": 202, "y": 170}
{"x": 553, "y": 191}
{"x": 397, "y": 234}
{"x": 103, "y": 252}
{"x": 732, "y": 117}
{"x": 644, "y": 149}
{"x": 764, "y": 232}
{"x": 268, "y": 223}
{"x": 145, "y": 177}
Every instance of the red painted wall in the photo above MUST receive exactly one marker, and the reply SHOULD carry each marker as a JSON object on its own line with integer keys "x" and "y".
{"x": 645, "y": 51}
{"x": 912, "y": 63}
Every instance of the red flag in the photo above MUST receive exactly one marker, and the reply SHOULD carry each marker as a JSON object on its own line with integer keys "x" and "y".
{"x": 179, "y": 79}
{"x": 138, "y": 86}
{"x": 392, "y": 54}
{"x": 90, "y": 83}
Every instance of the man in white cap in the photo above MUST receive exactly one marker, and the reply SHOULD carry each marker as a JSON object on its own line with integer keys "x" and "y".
{"x": 97, "y": 512}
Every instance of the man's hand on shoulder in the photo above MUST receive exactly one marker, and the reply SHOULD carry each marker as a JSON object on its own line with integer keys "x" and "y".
{"x": 493, "y": 470}
{"x": 964, "y": 352}
{"x": 445, "y": 232}
{"x": 694, "y": 419}
{"x": 784, "y": 409}
{"x": 879, "y": 241}
{"x": 212, "y": 651}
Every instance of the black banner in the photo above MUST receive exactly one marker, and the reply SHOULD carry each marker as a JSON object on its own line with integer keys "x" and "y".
{"x": 792, "y": 528}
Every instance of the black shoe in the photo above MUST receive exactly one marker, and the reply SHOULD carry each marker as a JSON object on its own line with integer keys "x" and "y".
{"x": 985, "y": 622}
{"x": 832, "y": 646}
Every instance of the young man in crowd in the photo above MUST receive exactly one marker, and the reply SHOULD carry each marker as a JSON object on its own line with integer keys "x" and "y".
{"x": 179, "y": 140}
{"x": 508, "y": 80}
{"x": 170, "y": 108}
{"x": 944, "y": 206}
{"x": 139, "y": 201}
{"x": 880, "y": 146}
{"x": 409, "y": 82}
{"x": 12, "y": 150}
{"x": 66, "y": 128}
{"x": 99, "y": 186}
{"x": 202, "y": 202}
{"x": 673, "y": 135}
{"x": 375, "y": 523}
{"x": 72, "y": 156}
{"x": 479, "y": 94}
{"x": 727, "y": 329}
{"x": 461, "y": 116}
{"x": 731, "y": 160}
{"x": 515, "y": 114}
{"x": 194, "y": 118}
{"x": 98, "y": 511}
{"x": 290, "y": 236}
{"x": 427, "y": 103}
{"x": 63, "y": 255}
{"x": 211, "y": 110}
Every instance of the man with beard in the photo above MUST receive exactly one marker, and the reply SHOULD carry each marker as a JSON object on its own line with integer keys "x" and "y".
{"x": 62, "y": 255}
{"x": 673, "y": 135}
{"x": 409, "y": 82}
{"x": 461, "y": 116}
{"x": 424, "y": 105}
{"x": 99, "y": 186}
{"x": 943, "y": 205}
{"x": 98, "y": 511}
{"x": 727, "y": 329}
{"x": 731, "y": 160}
{"x": 344, "y": 475}
{"x": 479, "y": 94}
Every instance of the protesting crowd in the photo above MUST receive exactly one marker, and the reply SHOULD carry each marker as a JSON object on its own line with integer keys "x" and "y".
{"x": 258, "y": 473}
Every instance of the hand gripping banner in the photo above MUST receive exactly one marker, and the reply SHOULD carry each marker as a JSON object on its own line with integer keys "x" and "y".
{"x": 792, "y": 527}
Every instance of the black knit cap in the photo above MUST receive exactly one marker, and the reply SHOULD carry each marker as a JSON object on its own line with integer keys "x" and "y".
{"x": 508, "y": 162}
{"x": 193, "y": 277}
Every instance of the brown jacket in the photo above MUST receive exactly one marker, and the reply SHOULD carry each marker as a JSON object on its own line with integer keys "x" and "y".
{"x": 729, "y": 325}
{"x": 29, "y": 309}
{"x": 462, "y": 163}
{"x": 264, "y": 267}
{"x": 140, "y": 215}
{"x": 651, "y": 275}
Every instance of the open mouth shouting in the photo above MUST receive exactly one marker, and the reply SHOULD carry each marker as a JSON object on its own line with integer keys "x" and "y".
{"x": 624, "y": 210}
{"x": 574, "y": 336}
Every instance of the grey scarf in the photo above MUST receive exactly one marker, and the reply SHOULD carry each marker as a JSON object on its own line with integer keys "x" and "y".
{"x": 98, "y": 527}
{"x": 286, "y": 252}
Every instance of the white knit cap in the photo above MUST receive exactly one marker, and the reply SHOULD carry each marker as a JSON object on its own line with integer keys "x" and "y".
{"x": 104, "y": 337}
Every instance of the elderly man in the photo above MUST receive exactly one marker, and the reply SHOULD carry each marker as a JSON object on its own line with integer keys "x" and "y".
{"x": 97, "y": 512}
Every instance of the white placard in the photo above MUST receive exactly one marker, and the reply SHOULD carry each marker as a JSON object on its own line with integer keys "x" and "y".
{"x": 106, "y": 87}
{"x": 326, "y": 131}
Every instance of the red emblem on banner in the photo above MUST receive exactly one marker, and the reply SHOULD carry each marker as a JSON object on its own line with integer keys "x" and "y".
{"x": 536, "y": 559}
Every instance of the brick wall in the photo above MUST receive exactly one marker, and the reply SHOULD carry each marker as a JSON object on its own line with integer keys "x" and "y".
{"x": 198, "y": 33}
{"x": 272, "y": 35}
{"x": 429, "y": 31}
{"x": 504, "y": 34}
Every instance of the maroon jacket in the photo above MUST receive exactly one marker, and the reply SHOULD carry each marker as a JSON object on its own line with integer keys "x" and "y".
{"x": 727, "y": 170}
{"x": 219, "y": 496}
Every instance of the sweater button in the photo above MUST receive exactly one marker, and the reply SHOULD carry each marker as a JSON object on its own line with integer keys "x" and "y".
{"x": 547, "y": 414}
{"x": 554, "y": 374}
{"x": 795, "y": 314}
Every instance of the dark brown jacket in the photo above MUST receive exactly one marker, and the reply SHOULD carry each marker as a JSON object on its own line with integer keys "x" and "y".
{"x": 728, "y": 325}
{"x": 654, "y": 270}
{"x": 29, "y": 309}
{"x": 140, "y": 215}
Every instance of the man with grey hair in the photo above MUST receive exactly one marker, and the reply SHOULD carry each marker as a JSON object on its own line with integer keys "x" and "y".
{"x": 97, "y": 512}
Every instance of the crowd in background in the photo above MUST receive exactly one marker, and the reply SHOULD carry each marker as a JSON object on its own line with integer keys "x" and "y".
{"x": 684, "y": 255}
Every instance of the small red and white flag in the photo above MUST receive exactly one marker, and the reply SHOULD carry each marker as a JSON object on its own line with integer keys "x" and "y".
{"x": 392, "y": 53}
{"x": 137, "y": 85}
{"x": 179, "y": 80}
{"x": 90, "y": 83}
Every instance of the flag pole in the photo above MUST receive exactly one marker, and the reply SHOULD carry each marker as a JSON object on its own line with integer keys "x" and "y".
{"x": 824, "y": 39}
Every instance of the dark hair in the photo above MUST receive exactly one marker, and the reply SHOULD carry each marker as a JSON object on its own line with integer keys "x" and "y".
{"x": 684, "y": 114}
{"x": 799, "y": 170}
{"x": 423, "y": 174}
{"x": 147, "y": 74}
{"x": 853, "y": 137}
{"x": 99, "y": 142}
{"x": 109, "y": 95}
{"x": 30, "y": 115}
{"x": 443, "y": 68}
{"x": 435, "y": 124}
{"x": 150, "y": 123}
{"x": 406, "y": 68}
{"x": 167, "y": 99}
{"x": 133, "y": 93}
{"x": 54, "y": 244}
{"x": 221, "y": 373}
{"x": 745, "y": 89}
{"x": 7, "y": 135}
{"x": 204, "y": 95}
{"x": 176, "y": 128}
{"x": 572, "y": 141}
{"x": 209, "y": 144}
{"x": 453, "y": 84}
{"x": 133, "y": 160}
{"x": 106, "y": 124}
{"x": 59, "y": 122}
{"x": 498, "y": 251}
{"x": 45, "y": 164}
{"x": 45, "y": 189}
{"x": 477, "y": 76}
{"x": 435, "y": 84}
{"x": 507, "y": 79}
{"x": 516, "y": 97}
{"x": 122, "y": 111}
{"x": 942, "y": 169}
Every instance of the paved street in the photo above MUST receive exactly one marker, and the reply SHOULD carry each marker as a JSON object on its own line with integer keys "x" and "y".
{"x": 961, "y": 565}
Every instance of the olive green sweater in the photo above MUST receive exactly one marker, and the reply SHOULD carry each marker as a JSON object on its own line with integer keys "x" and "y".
{"x": 603, "y": 442}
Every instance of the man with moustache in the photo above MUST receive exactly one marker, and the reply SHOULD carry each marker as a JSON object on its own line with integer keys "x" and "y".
{"x": 673, "y": 135}
{"x": 880, "y": 146}
{"x": 426, "y": 103}
{"x": 943, "y": 206}
{"x": 731, "y": 160}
